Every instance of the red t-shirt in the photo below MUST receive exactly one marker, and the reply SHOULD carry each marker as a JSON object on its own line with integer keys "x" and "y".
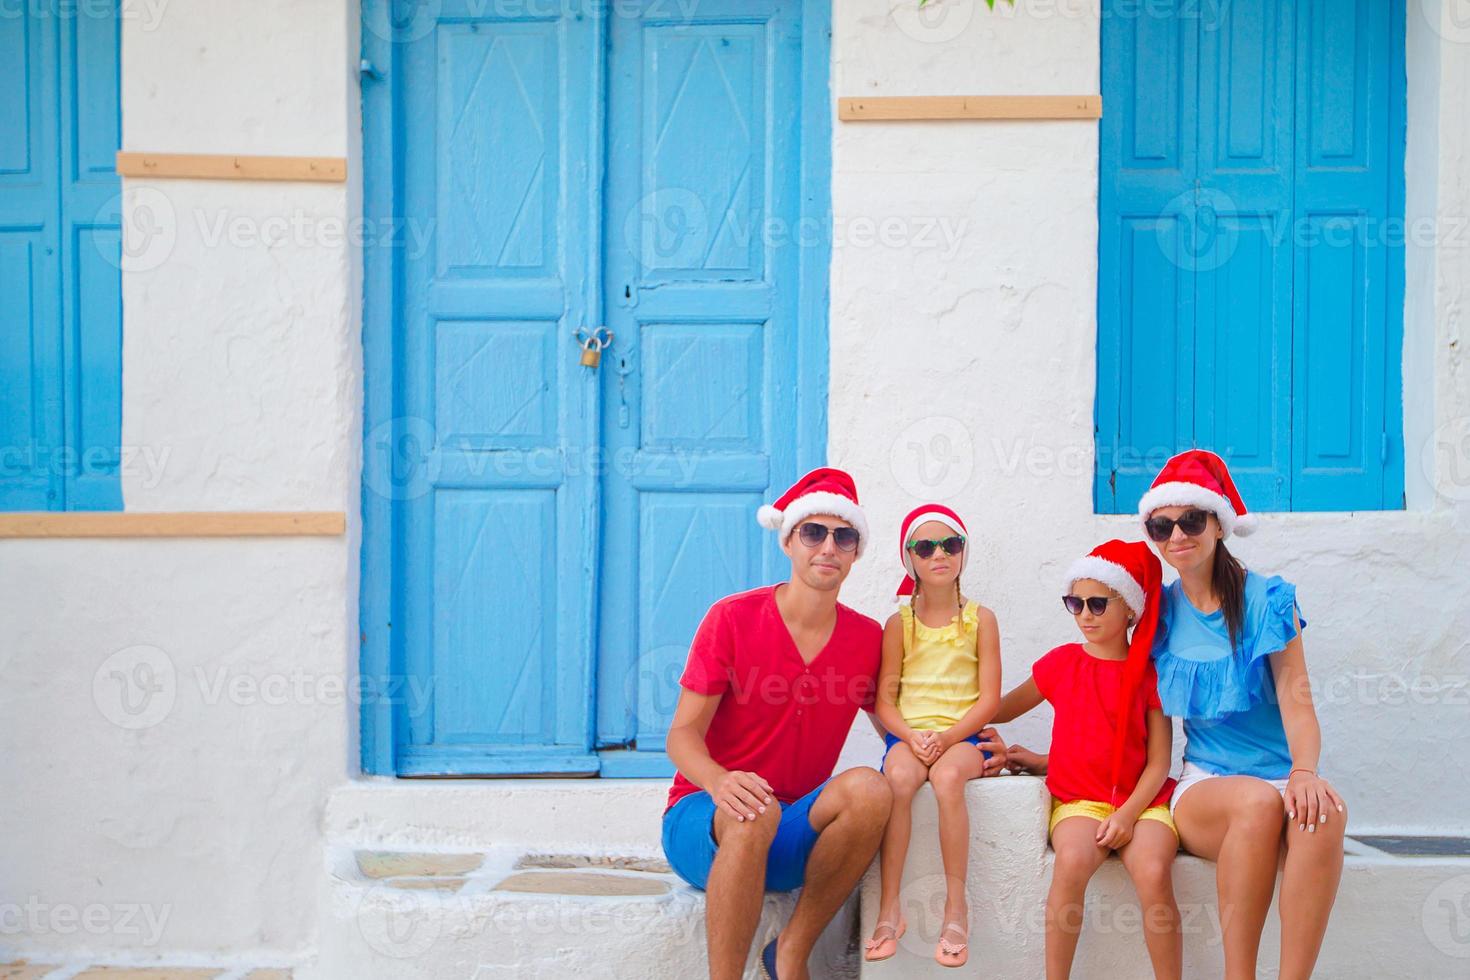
{"x": 779, "y": 717}
{"x": 1083, "y": 691}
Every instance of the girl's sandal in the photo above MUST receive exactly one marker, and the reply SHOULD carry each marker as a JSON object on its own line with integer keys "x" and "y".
{"x": 947, "y": 953}
{"x": 881, "y": 949}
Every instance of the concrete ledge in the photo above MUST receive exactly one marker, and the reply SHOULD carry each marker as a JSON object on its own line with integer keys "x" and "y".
{"x": 591, "y": 816}
{"x": 1394, "y": 916}
{"x": 486, "y": 928}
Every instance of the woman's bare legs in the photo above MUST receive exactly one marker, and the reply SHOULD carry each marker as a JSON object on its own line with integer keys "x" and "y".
{"x": 1309, "y": 880}
{"x": 1236, "y": 821}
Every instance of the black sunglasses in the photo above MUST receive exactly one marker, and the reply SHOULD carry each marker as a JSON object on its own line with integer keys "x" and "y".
{"x": 1191, "y": 522}
{"x": 924, "y": 547}
{"x": 813, "y": 534}
{"x": 1097, "y": 603}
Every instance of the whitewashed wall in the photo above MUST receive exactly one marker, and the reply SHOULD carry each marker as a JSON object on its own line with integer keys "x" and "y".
{"x": 964, "y": 254}
{"x": 190, "y": 820}
{"x": 965, "y": 372}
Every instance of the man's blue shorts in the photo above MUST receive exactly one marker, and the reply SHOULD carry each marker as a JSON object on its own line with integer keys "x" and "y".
{"x": 890, "y": 740}
{"x": 689, "y": 841}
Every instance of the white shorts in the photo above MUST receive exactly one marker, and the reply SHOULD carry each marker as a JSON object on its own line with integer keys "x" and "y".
{"x": 1194, "y": 774}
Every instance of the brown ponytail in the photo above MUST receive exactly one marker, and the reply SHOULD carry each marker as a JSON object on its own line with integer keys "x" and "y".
{"x": 1227, "y": 578}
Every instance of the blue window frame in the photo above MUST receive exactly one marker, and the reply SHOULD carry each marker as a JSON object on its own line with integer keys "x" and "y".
{"x": 60, "y": 284}
{"x": 1251, "y": 270}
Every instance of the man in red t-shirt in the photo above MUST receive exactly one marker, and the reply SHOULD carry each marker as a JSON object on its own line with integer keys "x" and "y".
{"x": 774, "y": 679}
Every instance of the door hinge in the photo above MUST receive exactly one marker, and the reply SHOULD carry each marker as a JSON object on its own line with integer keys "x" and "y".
{"x": 1383, "y": 449}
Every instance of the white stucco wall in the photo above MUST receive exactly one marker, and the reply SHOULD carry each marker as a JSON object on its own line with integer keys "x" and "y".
{"x": 970, "y": 247}
{"x": 991, "y": 407}
{"x": 189, "y": 820}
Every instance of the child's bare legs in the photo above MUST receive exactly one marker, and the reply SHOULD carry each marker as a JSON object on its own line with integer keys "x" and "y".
{"x": 905, "y": 775}
{"x": 1149, "y": 860}
{"x": 949, "y": 776}
{"x": 1078, "y": 856}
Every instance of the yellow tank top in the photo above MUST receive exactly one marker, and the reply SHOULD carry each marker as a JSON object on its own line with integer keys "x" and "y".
{"x": 940, "y": 677}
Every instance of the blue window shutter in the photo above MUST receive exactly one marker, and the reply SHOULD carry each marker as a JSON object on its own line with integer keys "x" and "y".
{"x": 1244, "y": 247}
{"x": 30, "y": 337}
{"x": 60, "y": 307}
{"x": 1258, "y": 147}
{"x": 91, "y": 256}
{"x": 1348, "y": 296}
{"x": 1146, "y": 283}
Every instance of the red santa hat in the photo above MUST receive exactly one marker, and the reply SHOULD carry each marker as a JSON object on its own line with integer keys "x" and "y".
{"x": 1131, "y": 569}
{"x": 920, "y": 515}
{"x": 822, "y": 491}
{"x": 1199, "y": 478}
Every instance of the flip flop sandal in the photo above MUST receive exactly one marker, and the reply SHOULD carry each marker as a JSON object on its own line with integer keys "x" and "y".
{"x": 881, "y": 949}
{"x": 951, "y": 954}
{"x": 768, "y": 960}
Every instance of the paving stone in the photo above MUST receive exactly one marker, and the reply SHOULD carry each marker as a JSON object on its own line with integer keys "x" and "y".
{"x": 616, "y": 861}
{"x": 146, "y": 973}
{"x": 396, "y": 864}
{"x": 582, "y": 883}
{"x": 22, "y": 970}
{"x": 426, "y": 884}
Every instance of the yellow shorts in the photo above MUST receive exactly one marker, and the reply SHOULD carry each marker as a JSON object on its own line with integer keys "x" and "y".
{"x": 1101, "y": 811}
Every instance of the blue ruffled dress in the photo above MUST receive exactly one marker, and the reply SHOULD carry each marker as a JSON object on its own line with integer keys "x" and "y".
{"x": 1227, "y": 697}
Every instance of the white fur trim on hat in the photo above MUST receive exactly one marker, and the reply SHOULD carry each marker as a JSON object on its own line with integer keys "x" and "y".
{"x": 811, "y": 504}
{"x": 1183, "y": 494}
{"x": 1111, "y": 574}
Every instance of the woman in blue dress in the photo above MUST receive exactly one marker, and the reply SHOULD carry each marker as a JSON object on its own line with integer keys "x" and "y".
{"x": 1231, "y": 665}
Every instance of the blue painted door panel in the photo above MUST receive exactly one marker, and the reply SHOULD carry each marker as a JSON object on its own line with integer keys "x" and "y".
{"x": 60, "y": 299}
{"x": 541, "y": 538}
{"x": 1250, "y": 289}
{"x": 496, "y": 141}
{"x": 699, "y": 387}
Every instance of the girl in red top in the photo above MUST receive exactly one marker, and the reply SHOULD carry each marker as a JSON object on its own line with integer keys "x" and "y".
{"x": 1109, "y": 762}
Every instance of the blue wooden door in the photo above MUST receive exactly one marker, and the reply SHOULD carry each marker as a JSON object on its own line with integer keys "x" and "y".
{"x": 60, "y": 305}
{"x": 541, "y": 537}
{"x": 497, "y": 138}
{"x": 699, "y": 387}
{"x": 1250, "y": 285}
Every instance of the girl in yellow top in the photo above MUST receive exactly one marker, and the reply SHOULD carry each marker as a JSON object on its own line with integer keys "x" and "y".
{"x": 938, "y": 686}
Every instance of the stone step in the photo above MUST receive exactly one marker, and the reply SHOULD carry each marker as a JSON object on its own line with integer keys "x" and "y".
{"x": 496, "y": 914}
{"x": 549, "y": 878}
{"x": 1395, "y": 916}
{"x": 52, "y": 970}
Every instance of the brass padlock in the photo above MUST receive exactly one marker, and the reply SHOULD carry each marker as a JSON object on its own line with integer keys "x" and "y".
{"x": 591, "y": 354}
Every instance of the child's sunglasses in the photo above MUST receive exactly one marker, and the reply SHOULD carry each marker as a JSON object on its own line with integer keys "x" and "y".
{"x": 1191, "y": 522}
{"x": 924, "y": 547}
{"x": 1097, "y": 603}
{"x": 813, "y": 534}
